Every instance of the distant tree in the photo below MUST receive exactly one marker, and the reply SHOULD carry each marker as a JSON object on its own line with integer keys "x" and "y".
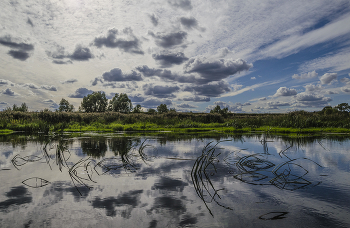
{"x": 343, "y": 107}
{"x": 65, "y": 106}
{"x": 218, "y": 110}
{"x": 162, "y": 108}
{"x": 22, "y": 108}
{"x": 327, "y": 110}
{"x": 151, "y": 110}
{"x": 120, "y": 103}
{"x": 137, "y": 109}
{"x": 172, "y": 110}
{"x": 94, "y": 102}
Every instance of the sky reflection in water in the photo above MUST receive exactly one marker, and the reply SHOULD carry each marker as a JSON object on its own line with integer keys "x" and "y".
{"x": 165, "y": 181}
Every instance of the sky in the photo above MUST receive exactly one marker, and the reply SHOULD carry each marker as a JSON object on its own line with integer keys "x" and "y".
{"x": 249, "y": 56}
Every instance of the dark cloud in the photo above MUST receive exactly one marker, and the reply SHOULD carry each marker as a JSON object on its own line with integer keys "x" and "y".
{"x": 9, "y": 92}
{"x": 168, "y": 75}
{"x": 81, "y": 54}
{"x": 284, "y": 91}
{"x": 136, "y": 98}
{"x": 276, "y": 104}
{"x": 21, "y": 55}
{"x": 52, "y": 104}
{"x": 190, "y": 23}
{"x": 214, "y": 89}
{"x": 182, "y": 4}
{"x": 69, "y": 81}
{"x": 217, "y": 69}
{"x": 131, "y": 199}
{"x": 160, "y": 91}
{"x": 49, "y": 87}
{"x": 154, "y": 102}
{"x": 169, "y": 40}
{"x": 116, "y": 74}
{"x": 197, "y": 99}
{"x": 80, "y": 93}
{"x": 62, "y": 62}
{"x": 6, "y": 41}
{"x": 154, "y": 19}
{"x": 130, "y": 44}
{"x": 186, "y": 106}
{"x": 30, "y": 22}
{"x": 168, "y": 184}
{"x": 170, "y": 59}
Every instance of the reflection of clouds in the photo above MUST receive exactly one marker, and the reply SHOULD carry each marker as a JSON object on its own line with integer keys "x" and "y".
{"x": 169, "y": 204}
{"x": 168, "y": 184}
{"x": 59, "y": 189}
{"x": 17, "y": 196}
{"x": 129, "y": 199}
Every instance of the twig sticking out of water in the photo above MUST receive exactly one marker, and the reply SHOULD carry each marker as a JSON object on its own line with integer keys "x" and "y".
{"x": 201, "y": 179}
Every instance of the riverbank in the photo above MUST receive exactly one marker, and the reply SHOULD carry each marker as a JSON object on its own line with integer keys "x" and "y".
{"x": 294, "y": 122}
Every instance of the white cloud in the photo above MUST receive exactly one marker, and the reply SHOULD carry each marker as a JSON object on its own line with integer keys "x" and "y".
{"x": 252, "y": 87}
{"x": 305, "y": 76}
{"x": 336, "y": 62}
{"x": 328, "y": 78}
{"x": 284, "y": 91}
{"x": 311, "y": 100}
{"x": 298, "y": 42}
{"x": 311, "y": 88}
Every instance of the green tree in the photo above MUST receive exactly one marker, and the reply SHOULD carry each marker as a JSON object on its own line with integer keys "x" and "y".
{"x": 137, "y": 109}
{"x": 151, "y": 110}
{"x": 172, "y": 110}
{"x": 343, "y": 107}
{"x": 22, "y": 108}
{"x": 120, "y": 103}
{"x": 65, "y": 106}
{"x": 94, "y": 102}
{"x": 162, "y": 108}
{"x": 218, "y": 109}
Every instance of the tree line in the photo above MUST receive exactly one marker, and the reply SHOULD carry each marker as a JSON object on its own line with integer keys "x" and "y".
{"x": 98, "y": 102}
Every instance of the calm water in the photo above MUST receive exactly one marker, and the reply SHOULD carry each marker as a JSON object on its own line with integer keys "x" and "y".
{"x": 172, "y": 181}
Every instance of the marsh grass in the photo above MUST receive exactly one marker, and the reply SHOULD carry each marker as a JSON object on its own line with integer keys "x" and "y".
{"x": 293, "y": 122}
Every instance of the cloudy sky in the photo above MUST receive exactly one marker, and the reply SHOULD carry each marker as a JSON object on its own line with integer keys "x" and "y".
{"x": 249, "y": 56}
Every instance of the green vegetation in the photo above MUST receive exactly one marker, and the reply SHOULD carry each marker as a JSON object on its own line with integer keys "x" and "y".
{"x": 94, "y": 115}
{"x": 293, "y": 122}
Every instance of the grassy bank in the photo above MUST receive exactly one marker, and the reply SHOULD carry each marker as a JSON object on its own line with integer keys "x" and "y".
{"x": 293, "y": 122}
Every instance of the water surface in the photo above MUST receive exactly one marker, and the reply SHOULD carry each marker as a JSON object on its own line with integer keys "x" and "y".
{"x": 111, "y": 180}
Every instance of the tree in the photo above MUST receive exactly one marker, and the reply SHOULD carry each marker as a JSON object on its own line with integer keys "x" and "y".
{"x": 162, "y": 108}
{"x": 22, "y": 108}
{"x": 137, "y": 109}
{"x": 218, "y": 109}
{"x": 120, "y": 103}
{"x": 172, "y": 110}
{"x": 94, "y": 102}
{"x": 65, "y": 106}
{"x": 151, "y": 110}
{"x": 343, "y": 107}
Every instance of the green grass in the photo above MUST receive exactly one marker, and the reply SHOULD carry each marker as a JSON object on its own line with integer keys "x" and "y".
{"x": 5, "y": 132}
{"x": 298, "y": 122}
